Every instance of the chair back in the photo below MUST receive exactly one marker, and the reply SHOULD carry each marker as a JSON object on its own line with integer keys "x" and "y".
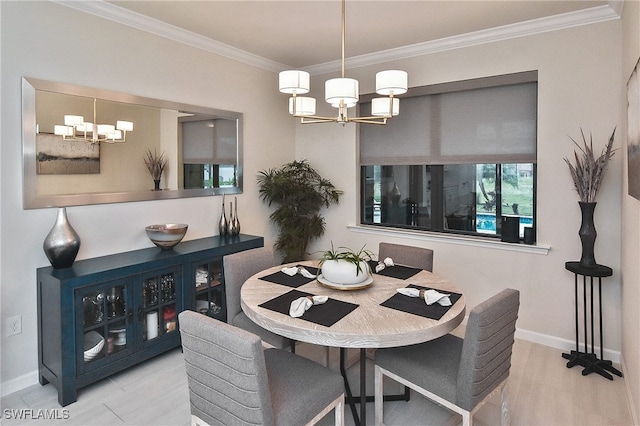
{"x": 486, "y": 350}
{"x": 238, "y": 267}
{"x": 226, "y": 372}
{"x": 415, "y": 257}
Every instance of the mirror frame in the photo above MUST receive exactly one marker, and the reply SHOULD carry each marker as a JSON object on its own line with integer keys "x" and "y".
{"x": 31, "y": 199}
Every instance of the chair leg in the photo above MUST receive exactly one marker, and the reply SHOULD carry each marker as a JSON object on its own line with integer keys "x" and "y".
{"x": 504, "y": 409}
{"x": 467, "y": 419}
{"x": 378, "y": 399}
{"x": 339, "y": 413}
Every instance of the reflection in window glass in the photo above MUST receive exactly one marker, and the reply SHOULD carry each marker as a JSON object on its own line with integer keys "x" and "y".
{"x": 453, "y": 198}
{"x": 209, "y": 176}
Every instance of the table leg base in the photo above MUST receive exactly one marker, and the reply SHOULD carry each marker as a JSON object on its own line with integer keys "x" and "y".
{"x": 362, "y": 399}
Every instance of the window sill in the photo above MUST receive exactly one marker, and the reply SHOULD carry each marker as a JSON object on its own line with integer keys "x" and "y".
{"x": 464, "y": 240}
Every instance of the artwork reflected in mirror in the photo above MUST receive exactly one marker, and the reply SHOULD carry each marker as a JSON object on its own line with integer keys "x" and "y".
{"x": 67, "y": 163}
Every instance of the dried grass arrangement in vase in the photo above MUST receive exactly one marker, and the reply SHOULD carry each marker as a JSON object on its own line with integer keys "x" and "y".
{"x": 587, "y": 173}
{"x": 156, "y": 165}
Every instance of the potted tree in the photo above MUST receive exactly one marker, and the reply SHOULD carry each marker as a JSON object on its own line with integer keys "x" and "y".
{"x": 299, "y": 192}
{"x": 346, "y": 266}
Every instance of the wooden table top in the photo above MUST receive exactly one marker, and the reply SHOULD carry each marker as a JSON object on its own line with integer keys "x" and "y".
{"x": 368, "y": 326}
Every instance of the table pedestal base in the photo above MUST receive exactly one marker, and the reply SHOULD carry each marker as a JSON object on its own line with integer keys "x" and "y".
{"x": 362, "y": 399}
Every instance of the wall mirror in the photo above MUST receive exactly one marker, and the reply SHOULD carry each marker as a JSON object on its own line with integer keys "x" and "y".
{"x": 202, "y": 147}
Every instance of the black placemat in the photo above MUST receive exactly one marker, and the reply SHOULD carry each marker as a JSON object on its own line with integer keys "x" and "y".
{"x": 417, "y": 306}
{"x": 294, "y": 281}
{"x": 326, "y": 314}
{"x": 396, "y": 271}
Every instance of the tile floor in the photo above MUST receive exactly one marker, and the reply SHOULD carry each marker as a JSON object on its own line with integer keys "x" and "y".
{"x": 542, "y": 391}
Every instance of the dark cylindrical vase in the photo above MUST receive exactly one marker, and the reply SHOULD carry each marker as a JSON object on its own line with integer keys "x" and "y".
{"x": 587, "y": 235}
{"x": 62, "y": 243}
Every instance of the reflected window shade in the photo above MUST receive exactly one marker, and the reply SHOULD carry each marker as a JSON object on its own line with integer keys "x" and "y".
{"x": 198, "y": 142}
{"x": 226, "y": 142}
{"x": 209, "y": 142}
{"x": 488, "y": 125}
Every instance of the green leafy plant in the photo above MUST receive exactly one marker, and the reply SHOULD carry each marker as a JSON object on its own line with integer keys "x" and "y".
{"x": 588, "y": 171}
{"x": 348, "y": 255}
{"x": 299, "y": 192}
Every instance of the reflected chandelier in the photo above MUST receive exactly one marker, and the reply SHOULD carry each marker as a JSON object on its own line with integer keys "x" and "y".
{"x": 342, "y": 93}
{"x": 76, "y": 129}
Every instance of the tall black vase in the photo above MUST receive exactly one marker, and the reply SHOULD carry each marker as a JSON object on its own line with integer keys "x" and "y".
{"x": 587, "y": 235}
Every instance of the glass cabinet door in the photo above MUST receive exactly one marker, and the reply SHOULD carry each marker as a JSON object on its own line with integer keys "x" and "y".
{"x": 210, "y": 297}
{"x": 158, "y": 310}
{"x": 104, "y": 324}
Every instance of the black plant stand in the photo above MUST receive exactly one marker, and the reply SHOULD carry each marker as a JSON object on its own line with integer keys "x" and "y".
{"x": 589, "y": 360}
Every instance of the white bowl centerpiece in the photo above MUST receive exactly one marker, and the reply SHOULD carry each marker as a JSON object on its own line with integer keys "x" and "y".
{"x": 345, "y": 266}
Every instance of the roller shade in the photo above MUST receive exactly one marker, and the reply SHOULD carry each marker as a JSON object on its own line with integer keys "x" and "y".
{"x": 484, "y": 125}
{"x": 209, "y": 142}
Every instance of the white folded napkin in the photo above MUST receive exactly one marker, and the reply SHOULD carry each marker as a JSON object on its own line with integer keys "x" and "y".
{"x": 297, "y": 270}
{"x": 430, "y": 296}
{"x": 302, "y": 304}
{"x": 381, "y": 265}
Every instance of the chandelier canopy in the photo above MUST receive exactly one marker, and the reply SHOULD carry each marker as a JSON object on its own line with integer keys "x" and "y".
{"x": 76, "y": 129}
{"x": 343, "y": 93}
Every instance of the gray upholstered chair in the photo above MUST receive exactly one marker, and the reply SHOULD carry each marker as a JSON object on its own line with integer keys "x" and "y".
{"x": 233, "y": 380}
{"x": 238, "y": 267}
{"x": 459, "y": 374}
{"x": 416, "y": 257}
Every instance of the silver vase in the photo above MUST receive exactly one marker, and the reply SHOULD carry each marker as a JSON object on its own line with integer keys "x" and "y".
{"x": 62, "y": 243}
{"x": 223, "y": 225}
{"x": 234, "y": 223}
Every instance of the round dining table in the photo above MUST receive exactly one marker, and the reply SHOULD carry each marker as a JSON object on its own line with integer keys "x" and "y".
{"x": 369, "y": 324}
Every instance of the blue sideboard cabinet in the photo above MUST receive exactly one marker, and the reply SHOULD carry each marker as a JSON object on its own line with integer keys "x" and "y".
{"x": 108, "y": 313}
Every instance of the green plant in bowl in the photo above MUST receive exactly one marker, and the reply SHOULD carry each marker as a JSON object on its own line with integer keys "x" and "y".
{"x": 357, "y": 260}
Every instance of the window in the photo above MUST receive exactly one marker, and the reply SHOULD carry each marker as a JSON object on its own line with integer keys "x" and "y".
{"x": 457, "y": 159}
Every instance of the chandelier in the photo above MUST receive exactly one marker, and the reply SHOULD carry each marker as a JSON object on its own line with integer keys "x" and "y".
{"x": 343, "y": 93}
{"x": 76, "y": 129}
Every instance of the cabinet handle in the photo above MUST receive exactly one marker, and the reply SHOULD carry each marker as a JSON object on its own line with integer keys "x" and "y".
{"x": 140, "y": 314}
{"x": 130, "y": 315}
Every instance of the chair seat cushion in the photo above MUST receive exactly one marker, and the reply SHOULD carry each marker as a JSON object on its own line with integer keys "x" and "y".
{"x": 300, "y": 388}
{"x": 431, "y": 365}
{"x": 242, "y": 321}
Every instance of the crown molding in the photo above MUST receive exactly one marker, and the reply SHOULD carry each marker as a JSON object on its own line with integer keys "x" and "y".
{"x": 592, "y": 15}
{"x": 141, "y": 22}
{"x": 537, "y": 26}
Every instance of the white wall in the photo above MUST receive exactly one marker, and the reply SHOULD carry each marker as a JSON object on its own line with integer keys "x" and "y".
{"x": 103, "y": 54}
{"x": 631, "y": 225}
{"x": 579, "y": 86}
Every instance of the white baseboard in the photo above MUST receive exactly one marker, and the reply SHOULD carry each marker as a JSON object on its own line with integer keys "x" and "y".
{"x": 564, "y": 344}
{"x": 19, "y": 383}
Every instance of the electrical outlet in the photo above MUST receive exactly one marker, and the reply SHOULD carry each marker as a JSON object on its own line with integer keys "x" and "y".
{"x": 14, "y": 325}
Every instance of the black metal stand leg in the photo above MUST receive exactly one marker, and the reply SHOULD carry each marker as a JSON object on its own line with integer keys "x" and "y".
{"x": 583, "y": 359}
{"x": 600, "y": 366}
